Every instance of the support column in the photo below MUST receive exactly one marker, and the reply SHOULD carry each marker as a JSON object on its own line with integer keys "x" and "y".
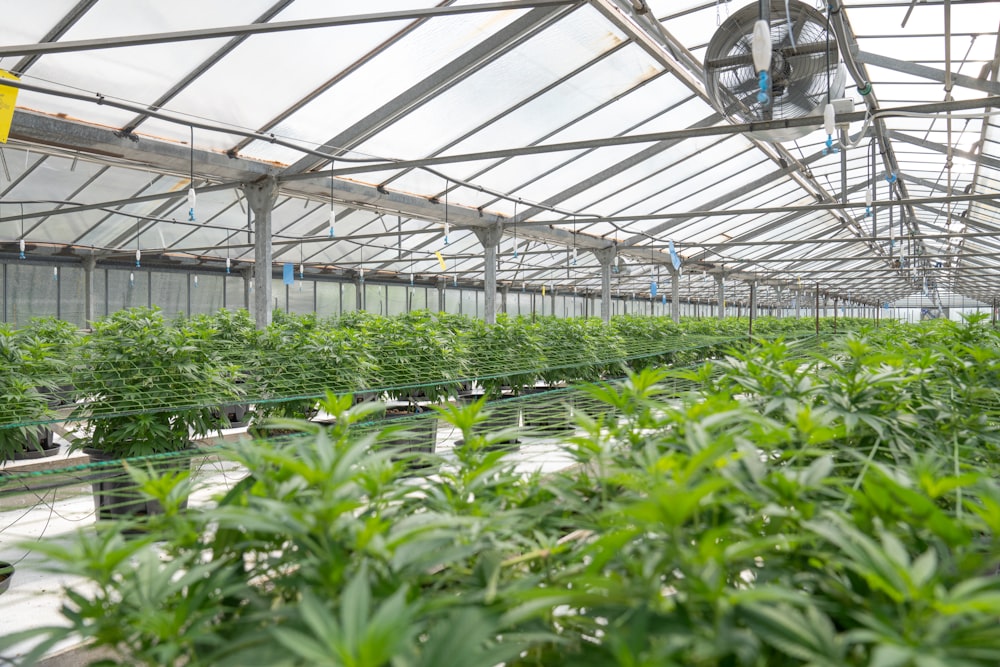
{"x": 606, "y": 257}
{"x": 440, "y": 293}
{"x": 798, "y": 304}
{"x": 504, "y": 292}
{"x": 89, "y": 263}
{"x": 552, "y": 301}
{"x": 490, "y": 238}
{"x": 817, "y": 309}
{"x": 261, "y": 196}
{"x": 247, "y": 282}
{"x": 753, "y": 306}
{"x": 359, "y": 290}
{"x": 721, "y": 279}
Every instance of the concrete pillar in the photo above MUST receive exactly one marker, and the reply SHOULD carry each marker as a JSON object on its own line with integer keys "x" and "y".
{"x": 606, "y": 257}
{"x": 247, "y": 274}
{"x": 722, "y": 295}
{"x": 490, "y": 238}
{"x": 675, "y": 296}
{"x": 89, "y": 314}
{"x": 261, "y": 196}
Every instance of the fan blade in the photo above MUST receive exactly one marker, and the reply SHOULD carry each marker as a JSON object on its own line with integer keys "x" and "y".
{"x": 729, "y": 61}
{"x": 800, "y": 21}
{"x": 808, "y": 67}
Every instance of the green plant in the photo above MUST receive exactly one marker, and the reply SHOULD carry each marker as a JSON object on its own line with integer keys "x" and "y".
{"x": 416, "y": 357}
{"x": 24, "y": 405}
{"x": 504, "y": 355}
{"x": 147, "y": 387}
{"x": 746, "y": 524}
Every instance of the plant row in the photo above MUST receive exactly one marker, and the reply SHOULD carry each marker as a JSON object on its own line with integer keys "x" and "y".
{"x": 145, "y": 384}
{"x": 830, "y": 509}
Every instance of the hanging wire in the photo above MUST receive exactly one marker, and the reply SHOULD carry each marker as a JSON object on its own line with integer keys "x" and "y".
{"x": 191, "y": 192}
{"x": 515, "y": 230}
{"x": 333, "y": 213}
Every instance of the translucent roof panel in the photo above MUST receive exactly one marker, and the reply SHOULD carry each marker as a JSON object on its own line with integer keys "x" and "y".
{"x": 472, "y": 96}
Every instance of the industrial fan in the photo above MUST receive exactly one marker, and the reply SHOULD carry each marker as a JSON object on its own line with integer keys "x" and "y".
{"x": 796, "y": 76}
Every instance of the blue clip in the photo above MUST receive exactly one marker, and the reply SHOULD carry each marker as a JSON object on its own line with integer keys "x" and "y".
{"x": 890, "y": 178}
{"x": 191, "y": 215}
{"x": 762, "y": 96}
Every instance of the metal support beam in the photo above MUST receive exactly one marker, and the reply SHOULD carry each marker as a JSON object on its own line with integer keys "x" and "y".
{"x": 925, "y": 72}
{"x": 66, "y": 46}
{"x": 941, "y": 148}
{"x": 261, "y": 196}
{"x": 753, "y": 306}
{"x": 490, "y": 238}
{"x": 605, "y": 256}
{"x": 441, "y": 295}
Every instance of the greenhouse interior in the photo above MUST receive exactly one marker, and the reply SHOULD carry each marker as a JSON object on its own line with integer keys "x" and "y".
{"x": 514, "y": 333}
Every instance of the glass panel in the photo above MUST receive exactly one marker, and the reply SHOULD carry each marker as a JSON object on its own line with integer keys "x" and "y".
{"x": 300, "y": 296}
{"x": 31, "y": 292}
{"x": 206, "y": 296}
{"x": 396, "y": 299}
{"x": 279, "y": 294}
{"x": 234, "y": 292}
{"x": 126, "y": 289}
{"x": 170, "y": 292}
{"x": 469, "y": 303}
{"x": 375, "y": 299}
{"x": 327, "y": 299}
{"x": 418, "y": 298}
{"x": 453, "y": 301}
{"x": 348, "y": 297}
{"x": 72, "y": 297}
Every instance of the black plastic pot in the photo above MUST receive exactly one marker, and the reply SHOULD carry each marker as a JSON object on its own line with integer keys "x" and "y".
{"x": 116, "y": 495}
{"x": 43, "y": 446}
{"x": 501, "y": 416}
{"x": 546, "y": 415}
{"x": 235, "y": 414}
{"x": 6, "y": 574}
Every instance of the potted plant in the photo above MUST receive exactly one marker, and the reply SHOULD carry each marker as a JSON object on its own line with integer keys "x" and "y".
{"x": 419, "y": 362}
{"x": 506, "y": 358}
{"x": 24, "y": 408}
{"x": 6, "y": 574}
{"x": 234, "y": 336}
{"x": 54, "y": 345}
{"x": 299, "y": 365}
{"x": 147, "y": 389}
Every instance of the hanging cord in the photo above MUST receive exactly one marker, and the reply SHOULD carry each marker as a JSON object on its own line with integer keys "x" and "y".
{"x": 333, "y": 213}
{"x": 515, "y": 230}
{"x": 447, "y": 227}
{"x": 191, "y": 192}
{"x": 829, "y": 99}
{"x": 21, "y": 242}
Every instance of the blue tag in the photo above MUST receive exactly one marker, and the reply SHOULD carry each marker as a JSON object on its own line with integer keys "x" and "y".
{"x": 288, "y": 274}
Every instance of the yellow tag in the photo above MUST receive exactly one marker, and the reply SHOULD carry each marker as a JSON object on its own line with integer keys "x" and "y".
{"x": 543, "y": 290}
{"x": 441, "y": 261}
{"x": 8, "y": 100}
